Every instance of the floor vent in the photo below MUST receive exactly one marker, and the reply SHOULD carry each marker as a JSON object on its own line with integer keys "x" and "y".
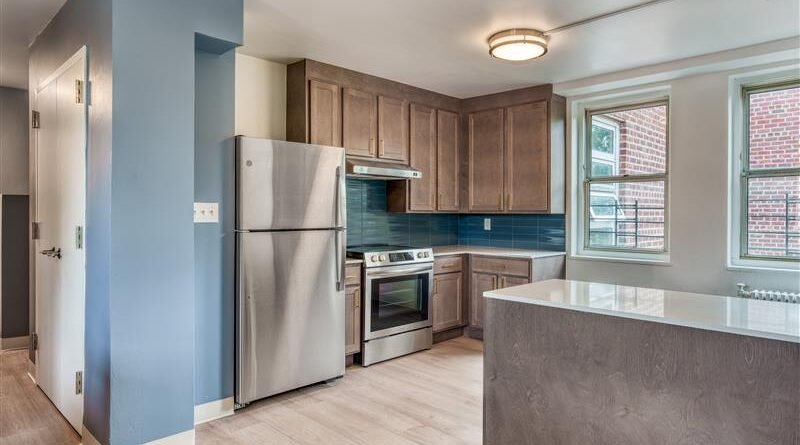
{"x": 767, "y": 295}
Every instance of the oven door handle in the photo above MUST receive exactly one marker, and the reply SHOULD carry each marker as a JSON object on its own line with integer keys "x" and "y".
{"x": 399, "y": 272}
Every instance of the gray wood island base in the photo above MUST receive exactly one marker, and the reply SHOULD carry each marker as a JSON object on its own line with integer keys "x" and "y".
{"x": 554, "y": 374}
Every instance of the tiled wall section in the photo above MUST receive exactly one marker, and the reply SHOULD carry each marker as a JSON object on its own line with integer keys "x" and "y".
{"x": 368, "y": 222}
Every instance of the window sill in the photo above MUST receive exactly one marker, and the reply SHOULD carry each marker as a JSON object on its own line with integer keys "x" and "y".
{"x": 661, "y": 261}
{"x": 762, "y": 266}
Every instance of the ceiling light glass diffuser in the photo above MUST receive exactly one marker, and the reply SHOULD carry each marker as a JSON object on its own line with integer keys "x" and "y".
{"x": 518, "y": 45}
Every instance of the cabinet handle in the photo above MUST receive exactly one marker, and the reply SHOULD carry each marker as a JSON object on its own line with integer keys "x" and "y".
{"x": 435, "y": 285}
{"x": 383, "y": 148}
{"x": 440, "y": 199}
{"x": 433, "y": 200}
{"x": 372, "y": 146}
{"x": 357, "y": 298}
{"x": 500, "y": 201}
{"x": 502, "y": 283}
{"x": 494, "y": 282}
{"x": 508, "y": 201}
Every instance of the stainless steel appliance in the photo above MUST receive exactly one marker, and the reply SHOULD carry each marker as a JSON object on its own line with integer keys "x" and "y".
{"x": 290, "y": 238}
{"x": 362, "y": 168}
{"x": 397, "y": 301}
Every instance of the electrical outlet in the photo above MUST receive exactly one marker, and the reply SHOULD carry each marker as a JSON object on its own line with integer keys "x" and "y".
{"x": 487, "y": 223}
{"x": 206, "y": 212}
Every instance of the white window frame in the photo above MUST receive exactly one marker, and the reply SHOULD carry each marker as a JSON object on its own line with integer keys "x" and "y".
{"x": 739, "y": 86}
{"x": 581, "y": 110}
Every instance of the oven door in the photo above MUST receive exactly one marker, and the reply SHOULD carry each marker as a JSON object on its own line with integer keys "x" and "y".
{"x": 397, "y": 299}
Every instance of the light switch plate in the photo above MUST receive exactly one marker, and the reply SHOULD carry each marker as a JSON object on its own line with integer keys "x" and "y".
{"x": 206, "y": 212}
{"x": 487, "y": 223}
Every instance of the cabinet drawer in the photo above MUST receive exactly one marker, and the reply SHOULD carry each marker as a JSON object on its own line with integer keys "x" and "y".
{"x": 352, "y": 275}
{"x": 505, "y": 266}
{"x": 447, "y": 264}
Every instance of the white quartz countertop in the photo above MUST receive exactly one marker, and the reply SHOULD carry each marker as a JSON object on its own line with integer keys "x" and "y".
{"x": 494, "y": 251}
{"x": 756, "y": 318}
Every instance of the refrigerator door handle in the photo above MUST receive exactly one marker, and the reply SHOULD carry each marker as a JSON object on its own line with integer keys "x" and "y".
{"x": 338, "y": 200}
{"x": 340, "y": 260}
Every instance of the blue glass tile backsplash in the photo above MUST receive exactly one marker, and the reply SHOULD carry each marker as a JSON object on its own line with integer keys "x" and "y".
{"x": 368, "y": 222}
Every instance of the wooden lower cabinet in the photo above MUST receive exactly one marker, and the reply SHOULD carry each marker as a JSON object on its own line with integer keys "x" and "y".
{"x": 352, "y": 311}
{"x": 481, "y": 282}
{"x": 490, "y": 273}
{"x": 448, "y": 297}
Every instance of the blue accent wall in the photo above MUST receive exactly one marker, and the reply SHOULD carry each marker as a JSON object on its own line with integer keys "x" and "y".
{"x": 214, "y": 243}
{"x": 368, "y": 222}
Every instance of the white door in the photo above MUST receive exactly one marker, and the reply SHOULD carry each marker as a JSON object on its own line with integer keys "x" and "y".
{"x": 60, "y": 212}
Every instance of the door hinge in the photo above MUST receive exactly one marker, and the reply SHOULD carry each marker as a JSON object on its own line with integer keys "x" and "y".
{"x": 35, "y": 119}
{"x": 78, "y": 382}
{"x": 79, "y": 237}
{"x": 78, "y": 91}
{"x": 34, "y": 230}
{"x": 35, "y": 341}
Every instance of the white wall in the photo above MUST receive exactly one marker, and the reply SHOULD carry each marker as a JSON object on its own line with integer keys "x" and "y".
{"x": 260, "y": 98}
{"x": 698, "y": 193}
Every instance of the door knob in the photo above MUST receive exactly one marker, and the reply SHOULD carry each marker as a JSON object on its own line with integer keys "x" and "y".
{"x": 52, "y": 253}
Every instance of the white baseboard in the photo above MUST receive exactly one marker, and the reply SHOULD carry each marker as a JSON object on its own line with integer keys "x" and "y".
{"x": 14, "y": 343}
{"x": 213, "y": 410}
{"x": 87, "y": 438}
{"x": 184, "y": 438}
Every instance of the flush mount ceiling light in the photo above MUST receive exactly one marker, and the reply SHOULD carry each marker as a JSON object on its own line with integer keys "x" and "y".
{"x": 518, "y": 45}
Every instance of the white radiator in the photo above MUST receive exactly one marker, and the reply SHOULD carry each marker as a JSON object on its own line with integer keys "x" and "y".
{"x": 768, "y": 295}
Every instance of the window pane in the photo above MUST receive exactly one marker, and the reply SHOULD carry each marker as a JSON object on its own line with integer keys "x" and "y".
{"x": 775, "y": 129}
{"x": 630, "y": 218}
{"x": 601, "y": 168}
{"x": 603, "y": 139}
{"x": 773, "y": 217}
{"x": 641, "y": 142}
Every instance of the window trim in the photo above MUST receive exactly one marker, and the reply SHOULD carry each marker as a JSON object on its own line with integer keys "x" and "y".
{"x": 586, "y": 180}
{"x": 746, "y": 173}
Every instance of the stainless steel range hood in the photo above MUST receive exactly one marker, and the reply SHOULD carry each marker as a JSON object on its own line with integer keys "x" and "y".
{"x": 359, "y": 168}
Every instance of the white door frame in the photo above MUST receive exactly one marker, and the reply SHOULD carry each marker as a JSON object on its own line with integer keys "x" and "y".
{"x": 80, "y": 57}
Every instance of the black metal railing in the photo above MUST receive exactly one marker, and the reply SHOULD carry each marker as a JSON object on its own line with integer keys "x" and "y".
{"x": 788, "y": 215}
{"x": 624, "y": 232}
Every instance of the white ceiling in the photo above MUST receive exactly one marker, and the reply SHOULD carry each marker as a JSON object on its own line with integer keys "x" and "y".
{"x": 441, "y": 44}
{"x": 20, "y": 22}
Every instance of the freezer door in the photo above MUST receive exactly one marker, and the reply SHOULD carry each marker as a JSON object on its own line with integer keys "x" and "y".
{"x": 290, "y": 314}
{"x": 286, "y": 185}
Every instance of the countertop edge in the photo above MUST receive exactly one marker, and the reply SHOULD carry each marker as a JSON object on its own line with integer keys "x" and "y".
{"x": 500, "y": 252}
{"x": 643, "y": 317}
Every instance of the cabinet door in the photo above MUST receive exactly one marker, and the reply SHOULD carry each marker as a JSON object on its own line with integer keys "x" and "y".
{"x": 486, "y": 161}
{"x": 447, "y": 161}
{"x": 392, "y": 129}
{"x": 481, "y": 282}
{"x": 422, "y": 192}
{"x": 352, "y": 322}
{"x": 527, "y": 158}
{"x": 448, "y": 310}
{"x": 511, "y": 281}
{"x": 359, "y": 122}
{"x": 324, "y": 114}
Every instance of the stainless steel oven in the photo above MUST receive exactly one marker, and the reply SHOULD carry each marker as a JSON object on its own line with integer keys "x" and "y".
{"x": 397, "y": 299}
{"x": 397, "y": 288}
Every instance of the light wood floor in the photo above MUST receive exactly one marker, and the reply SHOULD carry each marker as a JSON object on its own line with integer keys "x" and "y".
{"x": 26, "y": 415}
{"x": 431, "y": 397}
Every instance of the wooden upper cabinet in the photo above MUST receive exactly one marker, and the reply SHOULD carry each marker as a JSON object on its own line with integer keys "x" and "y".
{"x": 392, "y": 129}
{"x": 325, "y": 124}
{"x": 447, "y": 159}
{"x": 359, "y": 122}
{"x": 527, "y": 159}
{"x": 486, "y": 163}
{"x": 422, "y": 192}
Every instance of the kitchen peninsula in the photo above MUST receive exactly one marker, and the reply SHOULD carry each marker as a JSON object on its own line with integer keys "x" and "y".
{"x": 577, "y": 362}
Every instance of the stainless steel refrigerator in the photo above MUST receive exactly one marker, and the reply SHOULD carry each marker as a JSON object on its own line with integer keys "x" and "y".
{"x": 290, "y": 240}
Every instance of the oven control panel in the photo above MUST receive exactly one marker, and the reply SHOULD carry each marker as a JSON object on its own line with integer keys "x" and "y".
{"x": 374, "y": 259}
